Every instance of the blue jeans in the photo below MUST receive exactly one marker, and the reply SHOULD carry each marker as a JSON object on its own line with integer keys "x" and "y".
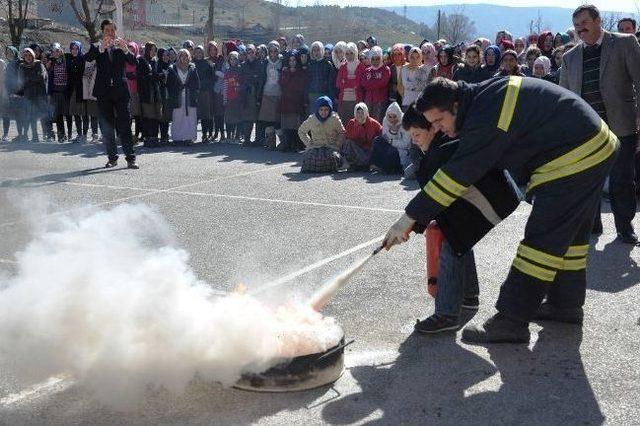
{"x": 457, "y": 279}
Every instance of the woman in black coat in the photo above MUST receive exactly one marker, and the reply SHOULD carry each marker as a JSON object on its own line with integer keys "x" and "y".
{"x": 33, "y": 92}
{"x": 207, "y": 77}
{"x": 183, "y": 85}
{"x": 77, "y": 104}
{"x": 149, "y": 79}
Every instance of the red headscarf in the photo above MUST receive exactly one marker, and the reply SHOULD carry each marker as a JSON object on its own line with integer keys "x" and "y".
{"x": 541, "y": 39}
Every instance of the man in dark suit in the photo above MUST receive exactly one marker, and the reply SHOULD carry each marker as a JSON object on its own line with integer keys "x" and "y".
{"x": 602, "y": 69}
{"x": 112, "y": 92}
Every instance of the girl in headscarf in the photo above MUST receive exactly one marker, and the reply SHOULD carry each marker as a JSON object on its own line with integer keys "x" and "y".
{"x": 321, "y": 77}
{"x": 542, "y": 68}
{"x": 149, "y": 77}
{"x": 131, "y": 72}
{"x": 520, "y": 46}
{"x": 233, "y": 99}
{"x": 173, "y": 55}
{"x": 292, "y": 101}
{"x": 413, "y": 79}
{"x": 545, "y": 43}
{"x": 375, "y": 84}
{"x": 297, "y": 41}
{"x": 429, "y": 55}
{"x": 338, "y": 54}
{"x": 532, "y": 53}
{"x": 322, "y": 133}
{"x": 446, "y": 65}
{"x": 390, "y": 153}
{"x": 360, "y": 132}
{"x": 58, "y": 87}
{"x": 328, "y": 52}
{"x": 492, "y": 60}
{"x": 33, "y": 92}
{"x": 561, "y": 39}
{"x": 12, "y": 84}
{"x": 164, "y": 62}
{"x": 509, "y": 64}
{"x": 216, "y": 62}
{"x": 348, "y": 83}
{"x": 482, "y": 43}
{"x": 205, "y": 108}
{"x": 271, "y": 92}
{"x": 398, "y": 61}
{"x": 252, "y": 74}
{"x": 183, "y": 85}
{"x": 77, "y": 105}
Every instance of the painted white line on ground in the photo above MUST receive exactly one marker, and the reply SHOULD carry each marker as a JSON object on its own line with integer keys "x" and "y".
{"x": 13, "y": 262}
{"x": 48, "y": 387}
{"x": 276, "y": 200}
{"x": 316, "y": 265}
{"x": 146, "y": 194}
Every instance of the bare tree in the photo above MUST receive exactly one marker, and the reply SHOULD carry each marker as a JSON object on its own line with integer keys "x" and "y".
{"x": 16, "y": 13}
{"x": 610, "y": 21}
{"x": 456, "y": 28}
{"x": 535, "y": 25}
{"x": 87, "y": 13}
{"x": 275, "y": 19}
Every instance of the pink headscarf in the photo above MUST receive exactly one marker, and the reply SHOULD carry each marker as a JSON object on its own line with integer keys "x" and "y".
{"x": 429, "y": 56}
{"x": 130, "y": 69}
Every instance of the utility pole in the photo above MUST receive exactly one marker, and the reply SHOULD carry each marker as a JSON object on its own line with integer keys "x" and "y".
{"x": 439, "y": 13}
{"x": 404, "y": 11}
{"x": 209, "y": 29}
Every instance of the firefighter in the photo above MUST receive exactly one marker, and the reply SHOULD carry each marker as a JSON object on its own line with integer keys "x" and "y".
{"x": 545, "y": 136}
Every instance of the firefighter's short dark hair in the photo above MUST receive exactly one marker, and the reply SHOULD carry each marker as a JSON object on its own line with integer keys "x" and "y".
{"x": 414, "y": 118}
{"x": 441, "y": 93}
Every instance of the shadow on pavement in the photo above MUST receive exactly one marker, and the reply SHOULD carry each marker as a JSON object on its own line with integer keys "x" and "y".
{"x": 89, "y": 150}
{"x": 54, "y": 178}
{"x": 612, "y": 269}
{"x": 436, "y": 381}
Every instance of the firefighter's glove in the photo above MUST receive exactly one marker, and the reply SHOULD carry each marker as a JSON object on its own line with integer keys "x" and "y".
{"x": 399, "y": 231}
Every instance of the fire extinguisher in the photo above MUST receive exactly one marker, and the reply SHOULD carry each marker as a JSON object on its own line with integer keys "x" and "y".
{"x": 434, "y": 238}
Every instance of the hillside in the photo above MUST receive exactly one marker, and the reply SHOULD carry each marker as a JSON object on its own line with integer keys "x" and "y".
{"x": 252, "y": 21}
{"x": 488, "y": 19}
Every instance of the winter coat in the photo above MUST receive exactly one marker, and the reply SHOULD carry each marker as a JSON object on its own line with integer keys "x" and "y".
{"x": 321, "y": 77}
{"x": 33, "y": 80}
{"x": 231, "y": 89}
{"x": 206, "y": 74}
{"x": 412, "y": 82}
{"x": 175, "y": 87}
{"x": 363, "y": 134}
{"x": 375, "y": 84}
{"x": 252, "y": 79}
{"x": 75, "y": 69}
{"x": 329, "y": 133}
{"x": 51, "y": 87}
{"x": 13, "y": 78}
{"x": 344, "y": 82}
{"x": 149, "y": 79}
{"x": 292, "y": 85}
{"x": 472, "y": 75}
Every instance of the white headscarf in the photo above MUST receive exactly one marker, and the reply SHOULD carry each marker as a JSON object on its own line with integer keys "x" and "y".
{"x": 351, "y": 66}
{"x": 545, "y": 62}
{"x": 364, "y": 108}
{"x": 342, "y": 46}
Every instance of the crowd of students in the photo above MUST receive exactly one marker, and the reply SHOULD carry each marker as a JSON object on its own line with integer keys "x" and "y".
{"x": 341, "y": 104}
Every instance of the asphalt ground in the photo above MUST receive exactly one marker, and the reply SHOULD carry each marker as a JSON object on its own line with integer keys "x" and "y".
{"x": 248, "y": 215}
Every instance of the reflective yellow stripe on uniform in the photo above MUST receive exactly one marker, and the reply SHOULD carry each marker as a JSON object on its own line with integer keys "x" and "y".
{"x": 540, "y": 257}
{"x": 509, "y": 103}
{"x": 450, "y": 185}
{"x": 575, "y": 264}
{"x": 443, "y": 189}
{"x": 589, "y": 154}
{"x": 576, "y": 251}
{"x": 437, "y": 194}
{"x": 533, "y": 270}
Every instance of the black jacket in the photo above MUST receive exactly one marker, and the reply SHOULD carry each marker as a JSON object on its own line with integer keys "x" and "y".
{"x": 149, "y": 79}
{"x": 111, "y": 81}
{"x": 75, "y": 69}
{"x": 472, "y": 75}
{"x": 206, "y": 75}
{"x": 33, "y": 79}
{"x": 472, "y": 216}
{"x": 175, "y": 87}
{"x": 520, "y": 124}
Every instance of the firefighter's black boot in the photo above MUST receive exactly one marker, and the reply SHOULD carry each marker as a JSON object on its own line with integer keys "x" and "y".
{"x": 548, "y": 312}
{"x": 497, "y": 329}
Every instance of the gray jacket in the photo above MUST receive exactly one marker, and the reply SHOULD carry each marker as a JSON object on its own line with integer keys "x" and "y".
{"x": 619, "y": 69}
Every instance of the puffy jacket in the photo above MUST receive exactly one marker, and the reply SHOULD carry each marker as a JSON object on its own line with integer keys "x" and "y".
{"x": 363, "y": 134}
{"x": 292, "y": 85}
{"x": 328, "y": 133}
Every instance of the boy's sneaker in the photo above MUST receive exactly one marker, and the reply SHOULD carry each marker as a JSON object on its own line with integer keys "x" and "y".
{"x": 470, "y": 303}
{"x": 437, "y": 324}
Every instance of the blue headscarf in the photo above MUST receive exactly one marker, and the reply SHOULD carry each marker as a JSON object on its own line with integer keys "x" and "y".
{"x": 321, "y": 102}
{"x": 79, "y": 44}
{"x": 328, "y": 47}
{"x": 495, "y": 49}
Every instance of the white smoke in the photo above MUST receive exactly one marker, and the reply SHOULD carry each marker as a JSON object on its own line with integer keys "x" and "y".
{"x": 108, "y": 299}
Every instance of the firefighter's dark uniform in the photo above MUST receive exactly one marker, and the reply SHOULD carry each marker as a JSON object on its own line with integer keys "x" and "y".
{"x": 552, "y": 138}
